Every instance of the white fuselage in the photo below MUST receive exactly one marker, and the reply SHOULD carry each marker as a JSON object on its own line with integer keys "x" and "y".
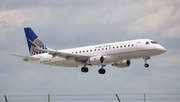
{"x": 112, "y": 52}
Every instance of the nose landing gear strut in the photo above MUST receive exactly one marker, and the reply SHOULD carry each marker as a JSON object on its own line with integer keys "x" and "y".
{"x": 145, "y": 60}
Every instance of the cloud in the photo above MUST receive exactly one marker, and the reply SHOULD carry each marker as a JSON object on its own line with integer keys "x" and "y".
{"x": 69, "y": 23}
{"x": 169, "y": 61}
{"x": 173, "y": 32}
{"x": 152, "y": 23}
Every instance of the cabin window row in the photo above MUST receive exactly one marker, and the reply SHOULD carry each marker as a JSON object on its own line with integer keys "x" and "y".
{"x": 104, "y": 48}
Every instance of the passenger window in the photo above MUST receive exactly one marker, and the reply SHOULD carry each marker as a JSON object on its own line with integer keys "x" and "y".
{"x": 113, "y": 47}
{"x": 128, "y": 45}
{"x": 132, "y": 45}
{"x": 124, "y": 45}
{"x": 117, "y": 46}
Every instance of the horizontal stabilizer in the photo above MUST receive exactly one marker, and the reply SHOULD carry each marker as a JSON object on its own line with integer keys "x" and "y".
{"x": 26, "y": 57}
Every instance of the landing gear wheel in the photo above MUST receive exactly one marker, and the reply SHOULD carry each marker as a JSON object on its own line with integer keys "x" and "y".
{"x": 146, "y": 65}
{"x": 102, "y": 71}
{"x": 84, "y": 69}
{"x": 145, "y": 60}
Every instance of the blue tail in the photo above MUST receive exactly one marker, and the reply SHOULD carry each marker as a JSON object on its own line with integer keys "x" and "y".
{"x": 32, "y": 37}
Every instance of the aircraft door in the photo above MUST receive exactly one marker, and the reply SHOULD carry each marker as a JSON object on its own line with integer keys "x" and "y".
{"x": 138, "y": 46}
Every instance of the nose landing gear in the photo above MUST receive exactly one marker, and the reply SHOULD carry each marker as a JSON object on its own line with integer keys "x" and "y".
{"x": 146, "y": 65}
{"x": 145, "y": 60}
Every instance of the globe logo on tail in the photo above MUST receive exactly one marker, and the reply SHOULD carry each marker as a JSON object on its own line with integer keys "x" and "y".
{"x": 34, "y": 50}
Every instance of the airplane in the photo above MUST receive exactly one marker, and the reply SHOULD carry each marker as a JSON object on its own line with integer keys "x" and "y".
{"x": 117, "y": 54}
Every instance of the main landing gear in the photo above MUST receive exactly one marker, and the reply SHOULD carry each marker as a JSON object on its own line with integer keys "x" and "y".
{"x": 102, "y": 71}
{"x": 145, "y": 60}
{"x": 84, "y": 69}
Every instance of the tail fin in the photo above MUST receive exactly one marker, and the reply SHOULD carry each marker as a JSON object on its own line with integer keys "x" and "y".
{"x": 32, "y": 37}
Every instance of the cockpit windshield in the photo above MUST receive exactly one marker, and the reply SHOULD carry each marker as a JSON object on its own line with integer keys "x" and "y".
{"x": 150, "y": 42}
{"x": 147, "y": 43}
{"x": 153, "y": 42}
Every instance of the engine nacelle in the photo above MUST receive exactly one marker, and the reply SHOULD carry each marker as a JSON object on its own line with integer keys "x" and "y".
{"x": 122, "y": 64}
{"x": 96, "y": 60}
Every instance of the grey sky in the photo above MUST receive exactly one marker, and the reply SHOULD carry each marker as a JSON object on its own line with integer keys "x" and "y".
{"x": 69, "y": 23}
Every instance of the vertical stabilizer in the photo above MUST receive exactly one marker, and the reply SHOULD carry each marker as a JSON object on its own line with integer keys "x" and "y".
{"x": 32, "y": 37}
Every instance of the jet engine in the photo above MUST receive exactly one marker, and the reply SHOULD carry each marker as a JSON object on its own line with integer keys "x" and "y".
{"x": 122, "y": 64}
{"x": 96, "y": 60}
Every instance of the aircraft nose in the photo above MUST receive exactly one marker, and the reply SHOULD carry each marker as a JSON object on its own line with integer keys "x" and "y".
{"x": 161, "y": 49}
